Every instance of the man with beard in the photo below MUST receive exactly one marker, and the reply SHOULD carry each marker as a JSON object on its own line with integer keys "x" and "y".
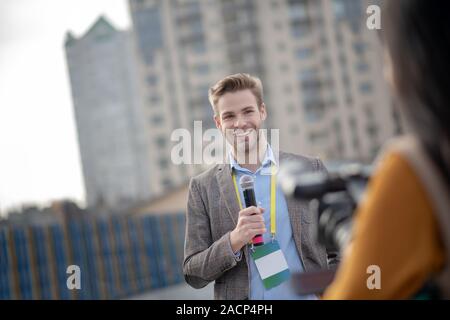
{"x": 219, "y": 229}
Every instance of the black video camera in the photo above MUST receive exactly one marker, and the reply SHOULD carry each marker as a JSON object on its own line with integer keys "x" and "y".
{"x": 333, "y": 197}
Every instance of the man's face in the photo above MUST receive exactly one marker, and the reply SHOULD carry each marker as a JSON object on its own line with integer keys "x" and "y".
{"x": 239, "y": 118}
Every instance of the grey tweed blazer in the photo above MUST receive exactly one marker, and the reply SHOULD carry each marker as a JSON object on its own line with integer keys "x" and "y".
{"x": 212, "y": 213}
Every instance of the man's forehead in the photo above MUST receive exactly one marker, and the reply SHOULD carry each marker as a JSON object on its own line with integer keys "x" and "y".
{"x": 236, "y": 109}
{"x": 235, "y": 101}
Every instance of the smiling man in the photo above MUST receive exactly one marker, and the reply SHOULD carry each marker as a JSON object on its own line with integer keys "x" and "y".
{"x": 219, "y": 230}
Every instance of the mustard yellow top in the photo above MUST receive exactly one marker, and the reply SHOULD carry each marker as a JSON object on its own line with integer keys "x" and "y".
{"x": 395, "y": 229}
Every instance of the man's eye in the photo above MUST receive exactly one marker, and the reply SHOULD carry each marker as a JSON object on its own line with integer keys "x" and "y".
{"x": 249, "y": 111}
{"x": 227, "y": 117}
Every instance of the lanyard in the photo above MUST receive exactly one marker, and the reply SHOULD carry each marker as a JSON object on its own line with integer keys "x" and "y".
{"x": 273, "y": 203}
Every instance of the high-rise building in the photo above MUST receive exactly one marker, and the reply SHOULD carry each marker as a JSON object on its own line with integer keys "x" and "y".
{"x": 319, "y": 63}
{"x": 107, "y": 104}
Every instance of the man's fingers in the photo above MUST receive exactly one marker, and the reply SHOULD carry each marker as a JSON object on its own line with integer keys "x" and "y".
{"x": 252, "y": 226}
{"x": 251, "y": 211}
{"x": 252, "y": 219}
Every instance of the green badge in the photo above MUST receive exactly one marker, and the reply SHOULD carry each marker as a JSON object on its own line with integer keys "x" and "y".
{"x": 271, "y": 264}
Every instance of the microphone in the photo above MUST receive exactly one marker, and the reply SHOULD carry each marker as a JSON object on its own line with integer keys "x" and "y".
{"x": 246, "y": 183}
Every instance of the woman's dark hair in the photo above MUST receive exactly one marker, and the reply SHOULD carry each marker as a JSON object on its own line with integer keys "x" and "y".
{"x": 416, "y": 34}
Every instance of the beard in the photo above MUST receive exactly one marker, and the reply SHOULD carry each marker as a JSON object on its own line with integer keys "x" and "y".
{"x": 245, "y": 144}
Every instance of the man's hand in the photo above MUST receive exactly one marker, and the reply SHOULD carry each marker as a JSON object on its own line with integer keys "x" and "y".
{"x": 250, "y": 223}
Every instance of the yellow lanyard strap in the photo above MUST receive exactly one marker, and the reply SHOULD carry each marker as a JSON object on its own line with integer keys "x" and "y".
{"x": 273, "y": 203}
{"x": 273, "y": 194}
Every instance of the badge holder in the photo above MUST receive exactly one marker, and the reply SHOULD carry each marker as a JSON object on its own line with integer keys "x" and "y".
{"x": 271, "y": 264}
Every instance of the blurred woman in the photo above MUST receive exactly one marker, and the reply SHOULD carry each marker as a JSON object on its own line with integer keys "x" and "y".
{"x": 403, "y": 226}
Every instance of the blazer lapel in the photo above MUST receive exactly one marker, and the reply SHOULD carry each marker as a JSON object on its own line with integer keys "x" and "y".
{"x": 295, "y": 215}
{"x": 296, "y": 210}
{"x": 227, "y": 191}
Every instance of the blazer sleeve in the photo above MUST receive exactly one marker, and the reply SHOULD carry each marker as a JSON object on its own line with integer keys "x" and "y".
{"x": 204, "y": 260}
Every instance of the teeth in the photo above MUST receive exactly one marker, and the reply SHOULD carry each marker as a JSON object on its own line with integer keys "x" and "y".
{"x": 242, "y": 134}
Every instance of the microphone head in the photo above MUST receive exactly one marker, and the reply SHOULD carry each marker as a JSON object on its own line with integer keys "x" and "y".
{"x": 246, "y": 182}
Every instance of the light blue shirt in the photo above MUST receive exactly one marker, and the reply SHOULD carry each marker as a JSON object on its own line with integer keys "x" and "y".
{"x": 284, "y": 291}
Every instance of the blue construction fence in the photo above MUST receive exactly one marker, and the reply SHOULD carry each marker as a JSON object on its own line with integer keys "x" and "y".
{"x": 118, "y": 257}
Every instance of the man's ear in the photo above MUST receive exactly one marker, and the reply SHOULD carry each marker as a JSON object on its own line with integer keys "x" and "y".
{"x": 263, "y": 111}
{"x": 218, "y": 122}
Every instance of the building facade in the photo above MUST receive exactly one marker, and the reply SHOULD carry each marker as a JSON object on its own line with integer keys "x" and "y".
{"x": 108, "y": 111}
{"x": 319, "y": 63}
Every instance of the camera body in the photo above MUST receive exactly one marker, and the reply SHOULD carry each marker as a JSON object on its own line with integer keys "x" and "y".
{"x": 333, "y": 198}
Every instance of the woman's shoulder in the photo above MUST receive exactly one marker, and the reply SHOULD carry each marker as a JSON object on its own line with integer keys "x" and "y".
{"x": 396, "y": 182}
{"x": 404, "y": 162}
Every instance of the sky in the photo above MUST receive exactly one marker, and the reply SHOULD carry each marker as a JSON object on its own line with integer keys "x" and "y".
{"x": 39, "y": 155}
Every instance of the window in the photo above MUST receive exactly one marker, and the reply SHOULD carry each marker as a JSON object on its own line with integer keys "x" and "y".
{"x": 318, "y": 138}
{"x": 196, "y": 26}
{"x": 365, "y": 87}
{"x": 337, "y": 126}
{"x": 326, "y": 62}
{"x": 356, "y": 142}
{"x": 339, "y": 38}
{"x": 304, "y": 53}
{"x": 349, "y": 99}
{"x": 359, "y": 47}
{"x": 362, "y": 67}
{"x": 339, "y": 9}
{"x": 314, "y": 111}
{"x": 161, "y": 142}
{"x": 352, "y": 122}
{"x": 308, "y": 74}
{"x": 346, "y": 80}
{"x": 163, "y": 164}
{"x": 374, "y": 151}
{"x": 372, "y": 130}
{"x": 149, "y": 18}
{"x": 300, "y": 30}
{"x": 202, "y": 69}
{"x": 369, "y": 112}
{"x": 152, "y": 80}
{"x": 166, "y": 183}
{"x": 290, "y": 109}
{"x": 342, "y": 59}
{"x": 157, "y": 119}
{"x": 198, "y": 47}
{"x": 154, "y": 100}
{"x": 298, "y": 11}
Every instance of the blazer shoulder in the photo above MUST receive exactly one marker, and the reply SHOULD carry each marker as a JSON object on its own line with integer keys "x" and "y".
{"x": 206, "y": 176}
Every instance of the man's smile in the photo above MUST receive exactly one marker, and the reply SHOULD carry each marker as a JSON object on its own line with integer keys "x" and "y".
{"x": 242, "y": 133}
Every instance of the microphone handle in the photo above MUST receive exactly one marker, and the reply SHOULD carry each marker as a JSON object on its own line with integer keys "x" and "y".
{"x": 250, "y": 200}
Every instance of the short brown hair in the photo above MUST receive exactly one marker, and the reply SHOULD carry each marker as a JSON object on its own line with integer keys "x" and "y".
{"x": 233, "y": 83}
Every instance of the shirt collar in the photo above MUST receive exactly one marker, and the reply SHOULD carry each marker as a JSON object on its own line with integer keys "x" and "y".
{"x": 268, "y": 159}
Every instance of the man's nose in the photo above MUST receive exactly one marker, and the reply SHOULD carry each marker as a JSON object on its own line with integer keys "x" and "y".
{"x": 239, "y": 122}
